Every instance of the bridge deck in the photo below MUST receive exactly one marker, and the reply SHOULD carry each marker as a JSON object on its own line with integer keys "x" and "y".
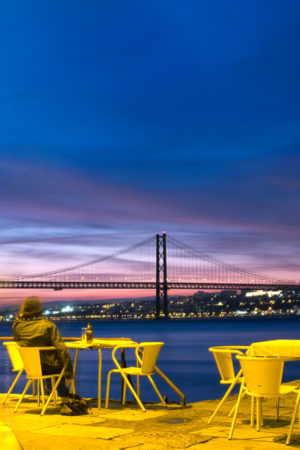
{"x": 59, "y": 285}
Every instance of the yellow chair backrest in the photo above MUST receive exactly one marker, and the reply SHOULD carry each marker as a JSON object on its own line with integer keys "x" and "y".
{"x": 263, "y": 375}
{"x": 32, "y": 361}
{"x": 223, "y": 358}
{"x": 150, "y": 354}
{"x": 14, "y": 355}
{"x": 225, "y": 365}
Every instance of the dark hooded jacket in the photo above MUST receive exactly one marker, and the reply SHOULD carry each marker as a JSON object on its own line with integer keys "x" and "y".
{"x": 41, "y": 332}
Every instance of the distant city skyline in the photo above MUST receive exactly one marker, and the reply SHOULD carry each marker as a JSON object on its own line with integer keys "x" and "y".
{"x": 119, "y": 121}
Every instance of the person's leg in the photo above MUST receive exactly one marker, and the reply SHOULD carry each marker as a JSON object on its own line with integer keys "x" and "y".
{"x": 62, "y": 388}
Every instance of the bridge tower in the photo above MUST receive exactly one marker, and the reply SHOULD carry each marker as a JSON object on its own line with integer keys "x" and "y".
{"x": 161, "y": 277}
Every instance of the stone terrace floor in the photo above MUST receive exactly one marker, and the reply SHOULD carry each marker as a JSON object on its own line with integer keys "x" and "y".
{"x": 158, "y": 428}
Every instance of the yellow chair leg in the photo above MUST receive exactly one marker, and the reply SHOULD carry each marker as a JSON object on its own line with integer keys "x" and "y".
{"x": 221, "y": 403}
{"x": 227, "y": 393}
{"x": 138, "y": 386}
{"x": 124, "y": 393}
{"x": 34, "y": 387}
{"x": 236, "y": 410}
{"x": 12, "y": 386}
{"x": 252, "y": 411}
{"x": 234, "y": 406}
{"x": 172, "y": 385}
{"x": 38, "y": 382}
{"x": 288, "y": 440}
{"x": 41, "y": 381}
{"x": 52, "y": 392}
{"x": 257, "y": 414}
{"x": 29, "y": 382}
{"x": 277, "y": 409}
{"x": 261, "y": 412}
{"x": 133, "y": 392}
{"x": 156, "y": 390}
{"x": 107, "y": 389}
{"x": 55, "y": 393}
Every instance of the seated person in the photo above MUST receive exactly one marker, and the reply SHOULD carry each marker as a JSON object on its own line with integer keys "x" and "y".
{"x": 32, "y": 329}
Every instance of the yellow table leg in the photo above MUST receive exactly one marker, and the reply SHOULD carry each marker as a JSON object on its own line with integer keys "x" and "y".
{"x": 73, "y": 390}
{"x": 99, "y": 376}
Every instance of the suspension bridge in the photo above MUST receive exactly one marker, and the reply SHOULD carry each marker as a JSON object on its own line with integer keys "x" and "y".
{"x": 156, "y": 263}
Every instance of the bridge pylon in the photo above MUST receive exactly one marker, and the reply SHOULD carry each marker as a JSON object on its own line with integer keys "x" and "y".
{"x": 161, "y": 277}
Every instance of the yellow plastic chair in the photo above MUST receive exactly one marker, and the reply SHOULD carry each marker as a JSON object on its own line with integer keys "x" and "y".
{"x": 223, "y": 357}
{"x": 146, "y": 356}
{"x": 17, "y": 364}
{"x": 31, "y": 358}
{"x": 261, "y": 379}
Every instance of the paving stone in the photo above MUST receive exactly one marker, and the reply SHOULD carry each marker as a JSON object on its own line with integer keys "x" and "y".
{"x": 128, "y": 415}
{"x": 8, "y": 439}
{"x": 84, "y": 431}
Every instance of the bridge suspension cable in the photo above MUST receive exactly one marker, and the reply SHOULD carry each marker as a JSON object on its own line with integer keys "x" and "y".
{"x": 208, "y": 268}
{"x": 183, "y": 265}
{"x": 77, "y": 269}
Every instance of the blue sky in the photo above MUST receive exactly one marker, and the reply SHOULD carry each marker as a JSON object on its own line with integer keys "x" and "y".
{"x": 122, "y": 119}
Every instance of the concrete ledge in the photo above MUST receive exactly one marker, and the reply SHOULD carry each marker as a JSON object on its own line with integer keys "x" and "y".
{"x": 158, "y": 428}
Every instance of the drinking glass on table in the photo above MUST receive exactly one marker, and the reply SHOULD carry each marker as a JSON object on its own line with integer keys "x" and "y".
{"x": 83, "y": 334}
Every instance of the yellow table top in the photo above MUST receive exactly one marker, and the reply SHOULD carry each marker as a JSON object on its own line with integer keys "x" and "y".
{"x": 100, "y": 343}
{"x": 279, "y": 347}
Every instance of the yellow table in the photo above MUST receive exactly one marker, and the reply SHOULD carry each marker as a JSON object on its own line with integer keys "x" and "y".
{"x": 281, "y": 347}
{"x": 97, "y": 344}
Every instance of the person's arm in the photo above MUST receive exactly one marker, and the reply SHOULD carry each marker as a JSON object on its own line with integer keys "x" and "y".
{"x": 15, "y": 332}
{"x": 62, "y": 351}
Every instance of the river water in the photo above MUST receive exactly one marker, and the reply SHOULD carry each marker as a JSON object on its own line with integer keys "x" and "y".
{"x": 185, "y": 357}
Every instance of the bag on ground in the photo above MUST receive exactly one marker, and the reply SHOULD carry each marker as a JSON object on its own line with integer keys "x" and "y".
{"x": 74, "y": 406}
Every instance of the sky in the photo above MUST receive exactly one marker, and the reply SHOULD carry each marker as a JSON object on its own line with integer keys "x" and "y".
{"x": 123, "y": 119}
